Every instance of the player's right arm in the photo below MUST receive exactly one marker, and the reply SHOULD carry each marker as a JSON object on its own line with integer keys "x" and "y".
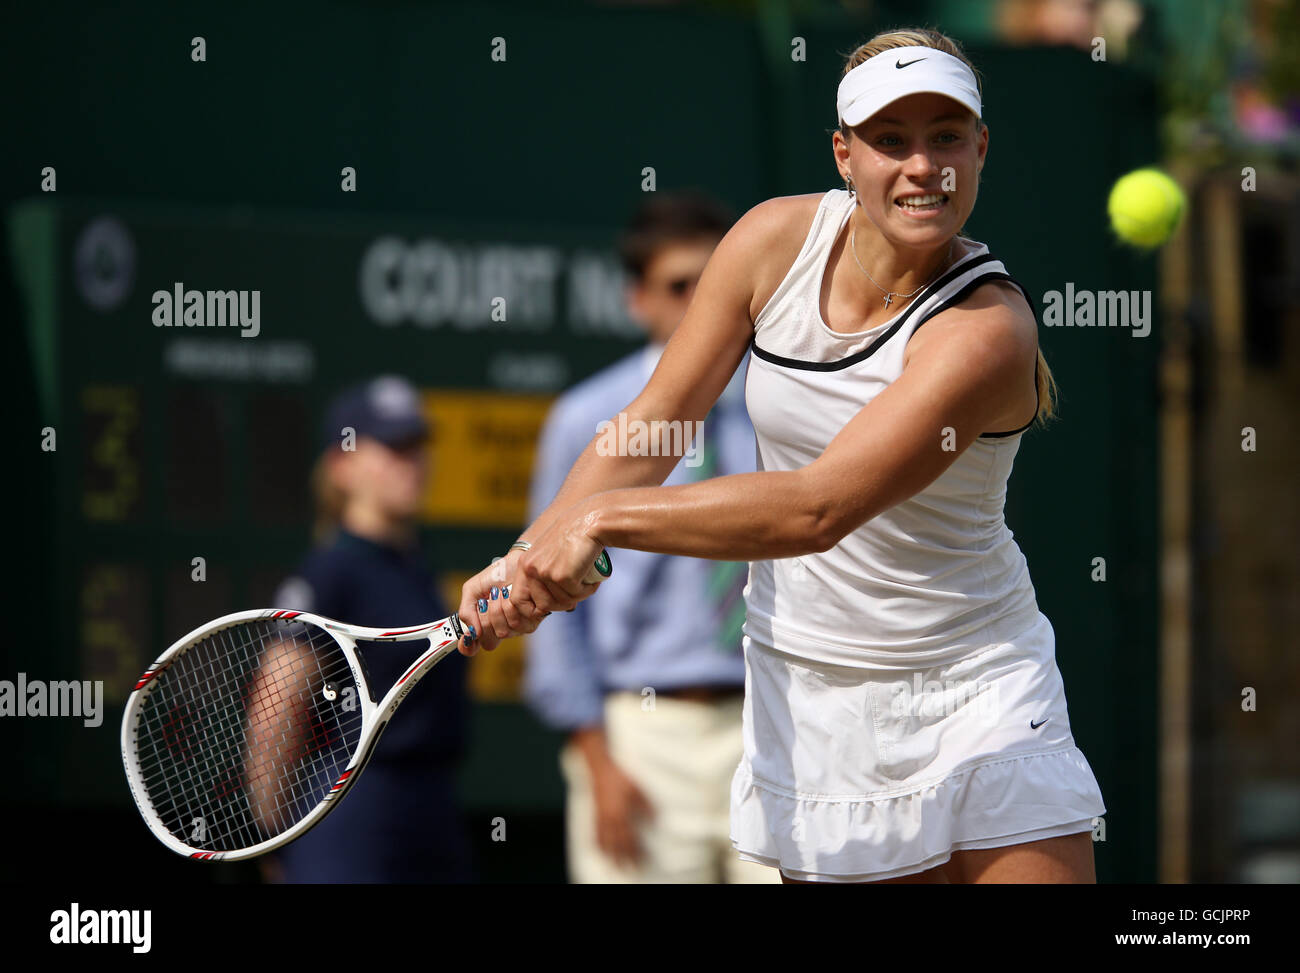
{"x": 696, "y": 366}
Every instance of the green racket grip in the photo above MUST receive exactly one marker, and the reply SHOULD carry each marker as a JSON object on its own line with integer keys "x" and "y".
{"x": 601, "y": 570}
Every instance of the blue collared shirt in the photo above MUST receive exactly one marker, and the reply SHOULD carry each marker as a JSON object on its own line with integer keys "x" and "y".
{"x": 652, "y": 623}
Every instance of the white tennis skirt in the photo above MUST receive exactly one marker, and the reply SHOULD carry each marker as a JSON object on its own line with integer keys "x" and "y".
{"x": 861, "y": 774}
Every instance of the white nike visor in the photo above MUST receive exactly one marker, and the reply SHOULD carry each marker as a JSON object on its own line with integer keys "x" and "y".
{"x": 900, "y": 72}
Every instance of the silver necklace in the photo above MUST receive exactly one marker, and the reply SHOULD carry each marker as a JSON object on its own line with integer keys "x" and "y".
{"x": 890, "y": 295}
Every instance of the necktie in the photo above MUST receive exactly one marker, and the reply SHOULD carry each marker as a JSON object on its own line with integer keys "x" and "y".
{"x": 727, "y": 579}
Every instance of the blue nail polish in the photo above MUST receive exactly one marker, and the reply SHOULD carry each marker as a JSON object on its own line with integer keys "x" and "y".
{"x": 505, "y": 592}
{"x": 482, "y": 606}
{"x": 472, "y": 634}
{"x": 496, "y": 593}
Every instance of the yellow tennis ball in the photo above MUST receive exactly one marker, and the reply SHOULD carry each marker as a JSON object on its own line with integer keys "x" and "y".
{"x": 1145, "y": 207}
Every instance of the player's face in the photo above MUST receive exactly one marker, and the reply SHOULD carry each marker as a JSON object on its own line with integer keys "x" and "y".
{"x": 659, "y": 301}
{"x": 915, "y": 165}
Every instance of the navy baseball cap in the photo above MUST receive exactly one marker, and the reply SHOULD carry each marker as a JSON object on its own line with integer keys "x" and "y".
{"x": 385, "y": 408}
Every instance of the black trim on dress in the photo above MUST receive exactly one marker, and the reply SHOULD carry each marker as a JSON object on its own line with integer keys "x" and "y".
{"x": 865, "y": 353}
{"x": 960, "y": 295}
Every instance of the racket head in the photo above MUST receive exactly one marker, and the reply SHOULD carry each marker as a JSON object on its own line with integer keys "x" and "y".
{"x": 245, "y": 732}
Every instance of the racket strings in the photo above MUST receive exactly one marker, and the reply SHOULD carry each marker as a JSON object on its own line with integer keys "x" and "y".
{"x": 224, "y": 778}
{"x": 245, "y": 732}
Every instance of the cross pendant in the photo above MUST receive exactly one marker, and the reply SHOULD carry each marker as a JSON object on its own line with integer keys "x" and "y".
{"x": 889, "y": 299}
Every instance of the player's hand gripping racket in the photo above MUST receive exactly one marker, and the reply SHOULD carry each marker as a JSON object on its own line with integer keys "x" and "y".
{"x": 247, "y": 731}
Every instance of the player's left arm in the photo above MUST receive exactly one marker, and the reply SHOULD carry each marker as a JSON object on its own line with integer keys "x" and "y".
{"x": 967, "y": 369}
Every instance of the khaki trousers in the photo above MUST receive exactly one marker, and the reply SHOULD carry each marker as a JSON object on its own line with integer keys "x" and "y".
{"x": 682, "y": 755}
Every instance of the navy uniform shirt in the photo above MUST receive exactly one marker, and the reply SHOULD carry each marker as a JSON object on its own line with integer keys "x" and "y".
{"x": 401, "y": 822}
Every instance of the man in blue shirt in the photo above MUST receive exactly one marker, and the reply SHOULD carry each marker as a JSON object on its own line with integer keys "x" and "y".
{"x": 401, "y": 823}
{"x": 648, "y": 678}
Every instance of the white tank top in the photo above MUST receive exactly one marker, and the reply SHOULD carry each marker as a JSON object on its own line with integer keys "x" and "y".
{"x": 932, "y": 577}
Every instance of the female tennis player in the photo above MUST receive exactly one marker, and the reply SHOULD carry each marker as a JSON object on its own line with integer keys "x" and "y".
{"x": 904, "y": 716}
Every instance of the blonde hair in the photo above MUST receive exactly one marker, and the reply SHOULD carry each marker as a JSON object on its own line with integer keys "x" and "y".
{"x": 328, "y": 499}
{"x": 919, "y": 37}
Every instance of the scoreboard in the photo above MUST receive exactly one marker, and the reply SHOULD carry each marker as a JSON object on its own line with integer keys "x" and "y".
{"x": 182, "y": 360}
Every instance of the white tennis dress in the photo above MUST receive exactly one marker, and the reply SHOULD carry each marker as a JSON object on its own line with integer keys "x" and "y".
{"x": 902, "y": 696}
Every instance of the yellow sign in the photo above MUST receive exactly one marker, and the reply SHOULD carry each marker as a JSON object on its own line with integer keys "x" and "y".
{"x": 482, "y": 456}
{"x": 496, "y": 676}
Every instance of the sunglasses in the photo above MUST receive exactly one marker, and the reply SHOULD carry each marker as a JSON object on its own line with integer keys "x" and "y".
{"x": 410, "y": 447}
{"x": 678, "y": 286}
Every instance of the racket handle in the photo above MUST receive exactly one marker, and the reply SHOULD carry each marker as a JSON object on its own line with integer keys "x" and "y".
{"x": 601, "y": 570}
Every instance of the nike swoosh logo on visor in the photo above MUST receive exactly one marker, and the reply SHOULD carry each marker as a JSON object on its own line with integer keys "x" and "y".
{"x": 908, "y": 64}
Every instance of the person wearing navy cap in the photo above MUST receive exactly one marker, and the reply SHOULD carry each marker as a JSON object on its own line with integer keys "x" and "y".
{"x": 402, "y": 824}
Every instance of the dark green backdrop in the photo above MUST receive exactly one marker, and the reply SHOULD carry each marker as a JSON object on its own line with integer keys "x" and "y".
{"x": 227, "y": 175}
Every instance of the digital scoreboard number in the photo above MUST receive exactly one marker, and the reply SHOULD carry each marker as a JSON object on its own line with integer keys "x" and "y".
{"x": 112, "y": 468}
{"x": 114, "y": 625}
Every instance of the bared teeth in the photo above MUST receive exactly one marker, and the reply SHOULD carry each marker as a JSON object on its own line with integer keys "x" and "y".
{"x": 917, "y": 202}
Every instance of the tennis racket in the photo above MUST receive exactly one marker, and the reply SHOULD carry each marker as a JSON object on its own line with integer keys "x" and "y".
{"x": 249, "y": 730}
